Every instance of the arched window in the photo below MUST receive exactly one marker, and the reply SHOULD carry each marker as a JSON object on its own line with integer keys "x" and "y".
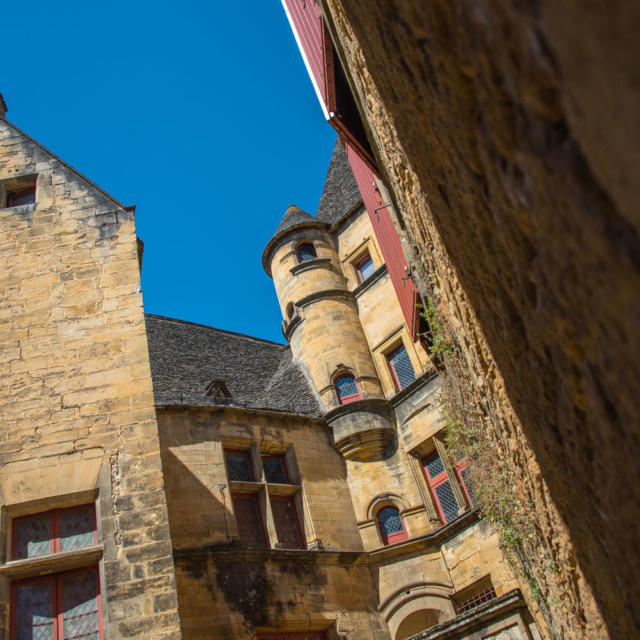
{"x": 305, "y": 252}
{"x": 391, "y": 526}
{"x": 347, "y": 389}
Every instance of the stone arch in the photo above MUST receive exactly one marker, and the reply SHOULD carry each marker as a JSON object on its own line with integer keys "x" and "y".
{"x": 385, "y": 500}
{"x": 416, "y": 622}
{"x": 417, "y": 603}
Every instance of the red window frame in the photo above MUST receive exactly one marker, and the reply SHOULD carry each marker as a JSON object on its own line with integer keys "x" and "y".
{"x": 55, "y": 580}
{"x": 435, "y": 482}
{"x": 296, "y": 520}
{"x": 352, "y": 397}
{"x": 283, "y": 464}
{"x": 360, "y": 264}
{"x": 394, "y": 373}
{"x": 306, "y": 244}
{"x": 263, "y": 529}
{"x": 14, "y": 194}
{"x": 392, "y": 538}
{"x": 54, "y": 528}
{"x": 245, "y": 454}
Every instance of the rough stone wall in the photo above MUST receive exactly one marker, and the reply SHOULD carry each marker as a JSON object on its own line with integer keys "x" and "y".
{"x": 76, "y": 397}
{"x": 508, "y": 133}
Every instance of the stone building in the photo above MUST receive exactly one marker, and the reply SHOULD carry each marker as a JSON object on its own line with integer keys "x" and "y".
{"x": 505, "y": 135}
{"x": 162, "y": 479}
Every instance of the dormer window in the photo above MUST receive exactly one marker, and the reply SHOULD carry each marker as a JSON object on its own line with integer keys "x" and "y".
{"x": 347, "y": 389}
{"x": 305, "y": 252}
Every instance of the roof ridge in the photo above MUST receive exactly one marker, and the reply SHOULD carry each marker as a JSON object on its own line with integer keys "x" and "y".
{"x": 206, "y": 326}
{"x": 66, "y": 164}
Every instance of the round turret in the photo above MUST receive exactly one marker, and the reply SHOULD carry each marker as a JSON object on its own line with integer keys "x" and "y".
{"x": 320, "y": 318}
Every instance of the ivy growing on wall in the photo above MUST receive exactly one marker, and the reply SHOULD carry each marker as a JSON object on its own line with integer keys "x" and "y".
{"x": 471, "y": 434}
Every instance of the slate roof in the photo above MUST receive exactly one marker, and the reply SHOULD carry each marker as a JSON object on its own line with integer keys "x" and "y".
{"x": 186, "y": 357}
{"x": 340, "y": 193}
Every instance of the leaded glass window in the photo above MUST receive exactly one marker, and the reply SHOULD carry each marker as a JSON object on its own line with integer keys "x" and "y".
{"x": 347, "y": 389}
{"x": 64, "y": 606}
{"x": 33, "y": 536}
{"x": 286, "y": 521}
{"x": 401, "y": 368}
{"x": 238, "y": 466}
{"x": 274, "y": 469}
{"x": 249, "y": 520}
{"x": 391, "y": 526}
{"x": 440, "y": 485}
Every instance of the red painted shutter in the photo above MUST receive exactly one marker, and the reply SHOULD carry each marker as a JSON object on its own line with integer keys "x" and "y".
{"x": 316, "y": 48}
{"x": 387, "y": 237}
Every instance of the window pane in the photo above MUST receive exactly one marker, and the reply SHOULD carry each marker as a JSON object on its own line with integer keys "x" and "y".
{"x": 33, "y": 537}
{"x": 390, "y": 521}
{"x": 286, "y": 521}
{"x": 80, "y": 606}
{"x": 20, "y": 198}
{"x": 76, "y": 528}
{"x": 447, "y": 501}
{"x": 238, "y": 467}
{"x": 346, "y": 386}
{"x": 365, "y": 269}
{"x": 274, "y": 470}
{"x": 434, "y": 465}
{"x": 306, "y": 252}
{"x": 401, "y": 365}
{"x": 248, "y": 520}
{"x": 34, "y": 614}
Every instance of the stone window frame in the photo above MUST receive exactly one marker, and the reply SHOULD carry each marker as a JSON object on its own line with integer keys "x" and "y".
{"x": 265, "y": 491}
{"x": 16, "y": 571}
{"x": 339, "y": 375}
{"x": 453, "y": 470}
{"x": 354, "y": 257}
{"x": 396, "y": 338}
{"x": 305, "y": 243}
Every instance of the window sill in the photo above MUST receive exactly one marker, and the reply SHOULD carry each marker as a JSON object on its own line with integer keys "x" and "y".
{"x": 52, "y": 563}
{"x": 21, "y": 208}
{"x": 316, "y": 263}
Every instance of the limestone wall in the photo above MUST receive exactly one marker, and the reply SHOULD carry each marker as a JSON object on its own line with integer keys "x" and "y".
{"x": 78, "y": 422}
{"x": 508, "y": 134}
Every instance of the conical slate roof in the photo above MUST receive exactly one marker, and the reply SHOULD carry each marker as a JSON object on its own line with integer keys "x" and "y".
{"x": 340, "y": 194}
{"x": 293, "y": 218}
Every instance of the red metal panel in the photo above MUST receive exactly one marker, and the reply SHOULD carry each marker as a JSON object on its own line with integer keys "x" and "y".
{"x": 316, "y": 48}
{"x": 387, "y": 237}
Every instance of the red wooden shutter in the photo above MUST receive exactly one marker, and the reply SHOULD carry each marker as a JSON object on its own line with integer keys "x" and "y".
{"x": 388, "y": 240}
{"x": 315, "y": 46}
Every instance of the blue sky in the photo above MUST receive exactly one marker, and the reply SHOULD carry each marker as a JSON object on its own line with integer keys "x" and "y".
{"x": 200, "y": 113}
